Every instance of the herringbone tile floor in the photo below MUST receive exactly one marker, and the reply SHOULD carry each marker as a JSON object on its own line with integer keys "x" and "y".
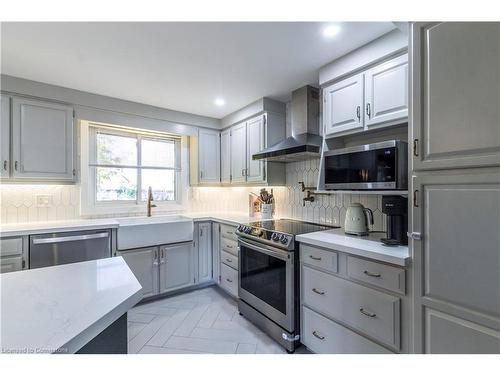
{"x": 201, "y": 321}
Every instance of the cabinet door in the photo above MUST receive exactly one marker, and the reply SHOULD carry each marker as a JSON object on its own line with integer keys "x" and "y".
{"x": 455, "y": 94}
{"x": 5, "y": 137}
{"x": 238, "y": 153}
{"x": 11, "y": 264}
{"x": 343, "y": 104}
{"x": 216, "y": 252}
{"x": 42, "y": 140}
{"x": 209, "y": 156}
{"x": 204, "y": 252}
{"x": 225, "y": 160}
{"x": 176, "y": 266}
{"x": 457, "y": 260}
{"x": 386, "y": 92}
{"x": 144, "y": 265}
{"x": 255, "y": 142}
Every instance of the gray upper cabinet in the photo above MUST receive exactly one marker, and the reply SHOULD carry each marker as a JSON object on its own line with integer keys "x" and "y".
{"x": 343, "y": 105}
{"x": 144, "y": 265}
{"x": 255, "y": 171}
{"x": 455, "y": 95}
{"x": 386, "y": 92}
{"x": 209, "y": 156}
{"x": 5, "y": 137}
{"x": 225, "y": 160}
{"x": 42, "y": 140}
{"x": 176, "y": 266}
{"x": 239, "y": 153}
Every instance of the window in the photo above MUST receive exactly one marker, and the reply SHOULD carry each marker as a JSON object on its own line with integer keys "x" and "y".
{"x": 123, "y": 164}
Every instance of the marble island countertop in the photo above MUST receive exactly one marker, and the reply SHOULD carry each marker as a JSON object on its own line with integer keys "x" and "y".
{"x": 41, "y": 314}
{"x": 368, "y": 246}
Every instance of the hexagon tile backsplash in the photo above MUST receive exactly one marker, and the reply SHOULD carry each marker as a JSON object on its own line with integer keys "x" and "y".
{"x": 23, "y": 203}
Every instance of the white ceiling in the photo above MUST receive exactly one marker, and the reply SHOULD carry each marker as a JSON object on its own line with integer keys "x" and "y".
{"x": 180, "y": 66}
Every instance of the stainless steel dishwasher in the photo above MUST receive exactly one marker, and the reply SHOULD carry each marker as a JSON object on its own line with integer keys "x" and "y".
{"x": 52, "y": 249}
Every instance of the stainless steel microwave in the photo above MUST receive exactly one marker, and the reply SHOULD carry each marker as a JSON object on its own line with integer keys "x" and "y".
{"x": 377, "y": 166}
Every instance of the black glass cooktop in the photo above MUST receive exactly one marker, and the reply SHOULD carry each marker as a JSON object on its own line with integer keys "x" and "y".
{"x": 294, "y": 227}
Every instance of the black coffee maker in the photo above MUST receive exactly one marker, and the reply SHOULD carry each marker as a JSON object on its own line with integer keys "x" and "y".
{"x": 396, "y": 209}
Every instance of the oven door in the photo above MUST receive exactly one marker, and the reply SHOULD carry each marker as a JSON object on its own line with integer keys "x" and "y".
{"x": 266, "y": 281}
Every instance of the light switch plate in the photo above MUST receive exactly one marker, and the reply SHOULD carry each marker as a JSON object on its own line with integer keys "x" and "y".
{"x": 44, "y": 200}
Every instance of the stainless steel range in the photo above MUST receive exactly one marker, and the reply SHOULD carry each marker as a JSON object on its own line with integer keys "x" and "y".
{"x": 269, "y": 276}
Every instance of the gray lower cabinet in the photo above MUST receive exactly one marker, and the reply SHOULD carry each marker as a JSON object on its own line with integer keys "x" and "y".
{"x": 229, "y": 258}
{"x": 344, "y": 311}
{"x": 162, "y": 269}
{"x": 144, "y": 265}
{"x": 204, "y": 246}
{"x": 12, "y": 254}
{"x": 176, "y": 266}
{"x": 322, "y": 335}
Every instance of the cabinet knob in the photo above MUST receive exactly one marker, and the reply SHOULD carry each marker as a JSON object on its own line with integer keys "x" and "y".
{"x": 368, "y": 110}
{"x": 368, "y": 314}
{"x": 368, "y": 273}
{"x": 358, "y": 113}
{"x": 5, "y": 165}
{"x": 317, "y": 335}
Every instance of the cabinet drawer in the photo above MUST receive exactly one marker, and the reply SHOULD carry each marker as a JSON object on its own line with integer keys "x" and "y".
{"x": 324, "y": 336}
{"x": 11, "y": 264}
{"x": 11, "y": 246}
{"x": 229, "y": 245}
{"x": 229, "y": 259}
{"x": 327, "y": 260}
{"x": 228, "y": 232}
{"x": 381, "y": 275}
{"x": 229, "y": 279}
{"x": 374, "y": 313}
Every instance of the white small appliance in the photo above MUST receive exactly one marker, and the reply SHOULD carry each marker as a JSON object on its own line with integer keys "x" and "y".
{"x": 357, "y": 218}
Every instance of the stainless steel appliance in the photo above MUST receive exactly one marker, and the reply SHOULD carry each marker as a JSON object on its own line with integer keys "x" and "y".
{"x": 395, "y": 208}
{"x": 269, "y": 277}
{"x": 52, "y": 249}
{"x": 357, "y": 219}
{"x": 377, "y": 166}
{"x": 305, "y": 141}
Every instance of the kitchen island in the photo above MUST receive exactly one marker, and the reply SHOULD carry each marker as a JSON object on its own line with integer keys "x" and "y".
{"x": 71, "y": 308}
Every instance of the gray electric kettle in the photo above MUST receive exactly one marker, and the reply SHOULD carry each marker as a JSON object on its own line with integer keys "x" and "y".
{"x": 357, "y": 218}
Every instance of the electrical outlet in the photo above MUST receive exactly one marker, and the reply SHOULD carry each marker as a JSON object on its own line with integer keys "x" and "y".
{"x": 44, "y": 200}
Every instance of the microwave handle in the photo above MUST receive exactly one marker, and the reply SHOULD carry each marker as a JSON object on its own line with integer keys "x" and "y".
{"x": 369, "y": 215}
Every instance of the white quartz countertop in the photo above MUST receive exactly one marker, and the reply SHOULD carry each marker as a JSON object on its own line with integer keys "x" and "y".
{"x": 21, "y": 229}
{"x": 369, "y": 246}
{"x": 230, "y": 218}
{"x": 61, "y": 308}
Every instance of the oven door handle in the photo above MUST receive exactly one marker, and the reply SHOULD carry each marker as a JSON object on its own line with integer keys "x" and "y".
{"x": 265, "y": 250}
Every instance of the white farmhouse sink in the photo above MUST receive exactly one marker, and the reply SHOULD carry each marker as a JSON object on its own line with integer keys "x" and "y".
{"x": 142, "y": 231}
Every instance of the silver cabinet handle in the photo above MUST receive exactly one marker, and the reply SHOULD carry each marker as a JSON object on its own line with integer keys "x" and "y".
{"x": 243, "y": 172}
{"x": 229, "y": 280}
{"x": 368, "y": 110}
{"x": 229, "y": 232}
{"x": 368, "y": 273}
{"x": 318, "y": 291}
{"x": 5, "y": 164}
{"x": 83, "y": 237}
{"x": 162, "y": 256}
{"x": 16, "y": 164}
{"x": 317, "y": 335}
{"x": 358, "y": 112}
{"x": 229, "y": 260}
{"x": 229, "y": 246}
{"x": 314, "y": 258}
{"x": 201, "y": 175}
{"x": 364, "y": 312}
{"x": 155, "y": 258}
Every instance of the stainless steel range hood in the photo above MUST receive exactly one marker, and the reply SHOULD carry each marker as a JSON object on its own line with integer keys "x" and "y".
{"x": 305, "y": 142}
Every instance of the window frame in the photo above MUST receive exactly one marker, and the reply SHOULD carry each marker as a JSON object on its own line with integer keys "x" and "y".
{"x": 89, "y": 203}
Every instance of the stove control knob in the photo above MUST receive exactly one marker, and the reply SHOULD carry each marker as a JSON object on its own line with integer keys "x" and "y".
{"x": 248, "y": 230}
{"x": 240, "y": 227}
{"x": 284, "y": 239}
{"x": 275, "y": 237}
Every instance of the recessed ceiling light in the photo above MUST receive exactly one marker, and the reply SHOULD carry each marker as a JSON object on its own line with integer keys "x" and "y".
{"x": 219, "y": 102}
{"x": 331, "y": 30}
